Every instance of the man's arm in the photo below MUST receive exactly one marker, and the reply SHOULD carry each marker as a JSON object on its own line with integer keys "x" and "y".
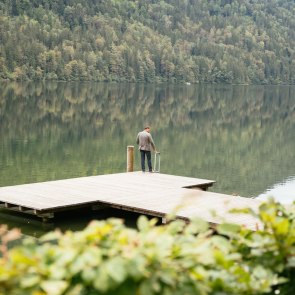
{"x": 152, "y": 143}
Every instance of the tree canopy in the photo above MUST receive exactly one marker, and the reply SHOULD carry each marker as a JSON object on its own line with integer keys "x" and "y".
{"x": 216, "y": 41}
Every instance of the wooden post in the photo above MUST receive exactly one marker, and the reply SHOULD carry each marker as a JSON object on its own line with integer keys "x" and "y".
{"x": 130, "y": 158}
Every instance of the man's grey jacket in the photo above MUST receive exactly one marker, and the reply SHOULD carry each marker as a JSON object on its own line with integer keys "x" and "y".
{"x": 145, "y": 141}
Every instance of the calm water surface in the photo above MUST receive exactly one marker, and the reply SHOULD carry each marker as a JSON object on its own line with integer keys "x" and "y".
{"x": 241, "y": 136}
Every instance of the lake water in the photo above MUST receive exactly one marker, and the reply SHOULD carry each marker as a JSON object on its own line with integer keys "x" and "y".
{"x": 241, "y": 136}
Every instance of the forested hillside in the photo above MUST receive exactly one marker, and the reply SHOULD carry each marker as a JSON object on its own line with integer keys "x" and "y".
{"x": 214, "y": 41}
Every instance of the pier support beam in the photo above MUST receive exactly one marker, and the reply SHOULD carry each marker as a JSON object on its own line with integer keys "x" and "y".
{"x": 46, "y": 217}
{"x": 130, "y": 158}
{"x": 99, "y": 207}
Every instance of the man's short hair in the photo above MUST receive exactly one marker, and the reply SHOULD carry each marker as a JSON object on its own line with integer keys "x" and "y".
{"x": 147, "y": 127}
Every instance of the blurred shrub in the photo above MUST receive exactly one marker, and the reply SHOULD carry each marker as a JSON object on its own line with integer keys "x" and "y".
{"x": 109, "y": 258}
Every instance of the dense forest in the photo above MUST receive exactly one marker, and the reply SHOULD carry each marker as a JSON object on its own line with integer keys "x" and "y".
{"x": 211, "y": 41}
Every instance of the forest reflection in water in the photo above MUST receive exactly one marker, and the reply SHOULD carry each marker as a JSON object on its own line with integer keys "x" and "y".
{"x": 241, "y": 136}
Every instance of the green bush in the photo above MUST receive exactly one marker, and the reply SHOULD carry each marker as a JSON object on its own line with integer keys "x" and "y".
{"x": 109, "y": 258}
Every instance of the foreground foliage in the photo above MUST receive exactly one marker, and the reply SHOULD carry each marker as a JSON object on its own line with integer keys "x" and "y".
{"x": 108, "y": 258}
{"x": 218, "y": 41}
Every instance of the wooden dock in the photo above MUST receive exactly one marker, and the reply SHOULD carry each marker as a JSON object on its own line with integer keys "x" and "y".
{"x": 152, "y": 194}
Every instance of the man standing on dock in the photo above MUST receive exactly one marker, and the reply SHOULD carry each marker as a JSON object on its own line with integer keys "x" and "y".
{"x": 146, "y": 143}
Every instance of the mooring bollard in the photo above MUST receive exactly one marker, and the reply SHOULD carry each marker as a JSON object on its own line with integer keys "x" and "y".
{"x": 130, "y": 158}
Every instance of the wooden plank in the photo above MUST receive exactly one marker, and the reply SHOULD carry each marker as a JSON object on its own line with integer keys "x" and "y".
{"x": 149, "y": 193}
{"x": 66, "y": 192}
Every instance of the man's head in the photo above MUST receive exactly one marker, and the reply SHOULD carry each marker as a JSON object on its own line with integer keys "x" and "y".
{"x": 147, "y": 128}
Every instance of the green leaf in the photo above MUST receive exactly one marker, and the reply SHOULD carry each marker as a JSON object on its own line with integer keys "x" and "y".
{"x": 57, "y": 272}
{"x": 242, "y": 211}
{"x": 54, "y": 287}
{"x": 51, "y": 236}
{"x": 143, "y": 223}
{"x": 291, "y": 262}
{"x": 167, "y": 278}
{"x": 260, "y": 272}
{"x": 282, "y": 226}
{"x": 102, "y": 281}
{"x": 197, "y": 225}
{"x": 221, "y": 243}
{"x": 137, "y": 267}
{"x": 228, "y": 229}
{"x": 76, "y": 290}
{"x": 89, "y": 275}
{"x": 146, "y": 288}
{"x": 30, "y": 281}
{"x": 176, "y": 226}
{"x": 116, "y": 269}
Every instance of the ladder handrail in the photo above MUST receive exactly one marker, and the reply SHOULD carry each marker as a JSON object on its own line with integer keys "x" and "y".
{"x": 157, "y": 155}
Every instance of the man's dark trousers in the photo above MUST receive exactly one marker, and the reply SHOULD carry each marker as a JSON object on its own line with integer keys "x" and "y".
{"x": 148, "y": 156}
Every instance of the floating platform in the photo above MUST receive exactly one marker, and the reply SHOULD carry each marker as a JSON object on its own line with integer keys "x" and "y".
{"x": 153, "y": 194}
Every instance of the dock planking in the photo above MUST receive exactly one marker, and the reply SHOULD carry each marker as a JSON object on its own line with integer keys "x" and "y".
{"x": 154, "y": 194}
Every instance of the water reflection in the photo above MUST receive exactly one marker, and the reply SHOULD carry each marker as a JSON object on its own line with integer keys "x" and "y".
{"x": 71, "y": 220}
{"x": 283, "y": 192}
{"x": 241, "y": 136}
